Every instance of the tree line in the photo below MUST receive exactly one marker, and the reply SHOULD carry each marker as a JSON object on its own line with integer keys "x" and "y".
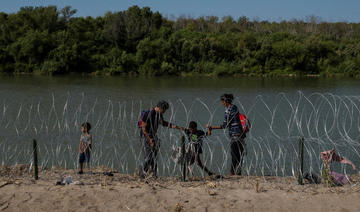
{"x": 138, "y": 41}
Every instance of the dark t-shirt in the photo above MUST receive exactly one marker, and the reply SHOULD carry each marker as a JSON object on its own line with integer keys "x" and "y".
{"x": 153, "y": 120}
{"x": 197, "y": 139}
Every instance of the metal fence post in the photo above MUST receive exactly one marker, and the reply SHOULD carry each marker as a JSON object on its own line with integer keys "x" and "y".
{"x": 183, "y": 161}
{"x": 36, "y": 168}
{"x": 301, "y": 158}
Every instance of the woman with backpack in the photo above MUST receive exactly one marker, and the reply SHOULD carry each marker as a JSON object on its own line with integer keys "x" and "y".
{"x": 236, "y": 133}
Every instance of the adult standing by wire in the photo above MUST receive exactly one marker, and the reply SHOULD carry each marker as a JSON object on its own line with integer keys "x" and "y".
{"x": 236, "y": 133}
{"x": 149, "y": 123}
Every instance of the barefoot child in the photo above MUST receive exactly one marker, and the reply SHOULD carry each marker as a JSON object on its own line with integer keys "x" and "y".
{"x": 85, "y": 146}
{"x": 195, "y": 137}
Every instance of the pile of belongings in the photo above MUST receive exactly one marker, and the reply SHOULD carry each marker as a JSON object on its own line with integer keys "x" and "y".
{"x": 333, "y": 177}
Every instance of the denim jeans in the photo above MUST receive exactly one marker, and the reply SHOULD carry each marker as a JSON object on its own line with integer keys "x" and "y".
{"x": 150, "y": 156}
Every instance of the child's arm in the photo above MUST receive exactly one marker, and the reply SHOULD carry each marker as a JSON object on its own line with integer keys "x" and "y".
{"x": 87, "y": 148}
{"x": 80, "y": 144}
{"x": 213, "y": 127}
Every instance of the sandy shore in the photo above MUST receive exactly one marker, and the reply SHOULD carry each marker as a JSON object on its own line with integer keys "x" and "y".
{"x": 97, "y": 192}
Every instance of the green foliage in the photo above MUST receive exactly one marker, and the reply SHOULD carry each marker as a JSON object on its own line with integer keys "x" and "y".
{"x": 151, "y": 67}
{"x": 52, "y": 67}
{"x": 203, "y": 67}
{"x": 117, "y": 62}
{"x": 49, "y": 40}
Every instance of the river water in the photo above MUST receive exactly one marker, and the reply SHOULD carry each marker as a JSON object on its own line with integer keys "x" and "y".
{"x": 325, "y": 112}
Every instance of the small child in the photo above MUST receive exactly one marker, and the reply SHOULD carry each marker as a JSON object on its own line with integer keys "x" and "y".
{"x": 85, "y": 146}
{"x": 195, "y": 138}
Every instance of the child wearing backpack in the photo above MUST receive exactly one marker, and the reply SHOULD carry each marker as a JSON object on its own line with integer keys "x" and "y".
{"x": 195, "y": 138}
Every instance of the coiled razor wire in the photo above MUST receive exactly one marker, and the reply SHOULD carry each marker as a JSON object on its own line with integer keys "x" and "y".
{"x": 324, "y": 120}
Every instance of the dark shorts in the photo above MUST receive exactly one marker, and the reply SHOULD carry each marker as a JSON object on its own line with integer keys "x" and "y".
{"x": 84, "y": 157}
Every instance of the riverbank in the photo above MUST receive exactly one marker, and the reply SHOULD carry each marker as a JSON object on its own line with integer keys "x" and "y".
{"x": 120, "y": 192}
{"x": 186, "y": 75}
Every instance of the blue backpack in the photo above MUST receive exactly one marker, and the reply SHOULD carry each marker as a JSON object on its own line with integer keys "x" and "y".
{"x": 140, "y": 121}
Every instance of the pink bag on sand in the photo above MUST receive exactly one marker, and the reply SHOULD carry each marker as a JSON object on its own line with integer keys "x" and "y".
{"x": 340, "y": 178}
{"x": 330, "y": 156}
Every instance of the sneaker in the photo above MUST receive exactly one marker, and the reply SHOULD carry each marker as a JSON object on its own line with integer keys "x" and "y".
{"x": 108, "y": 174}
{"x": 142, "y": 176}
{"x": 59, "y": 183}
{"x": 154, "y": 175}
{"x": 80, "y": 172}
{"x": 219, "y": 177}
{"x": 140, "y": 173}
